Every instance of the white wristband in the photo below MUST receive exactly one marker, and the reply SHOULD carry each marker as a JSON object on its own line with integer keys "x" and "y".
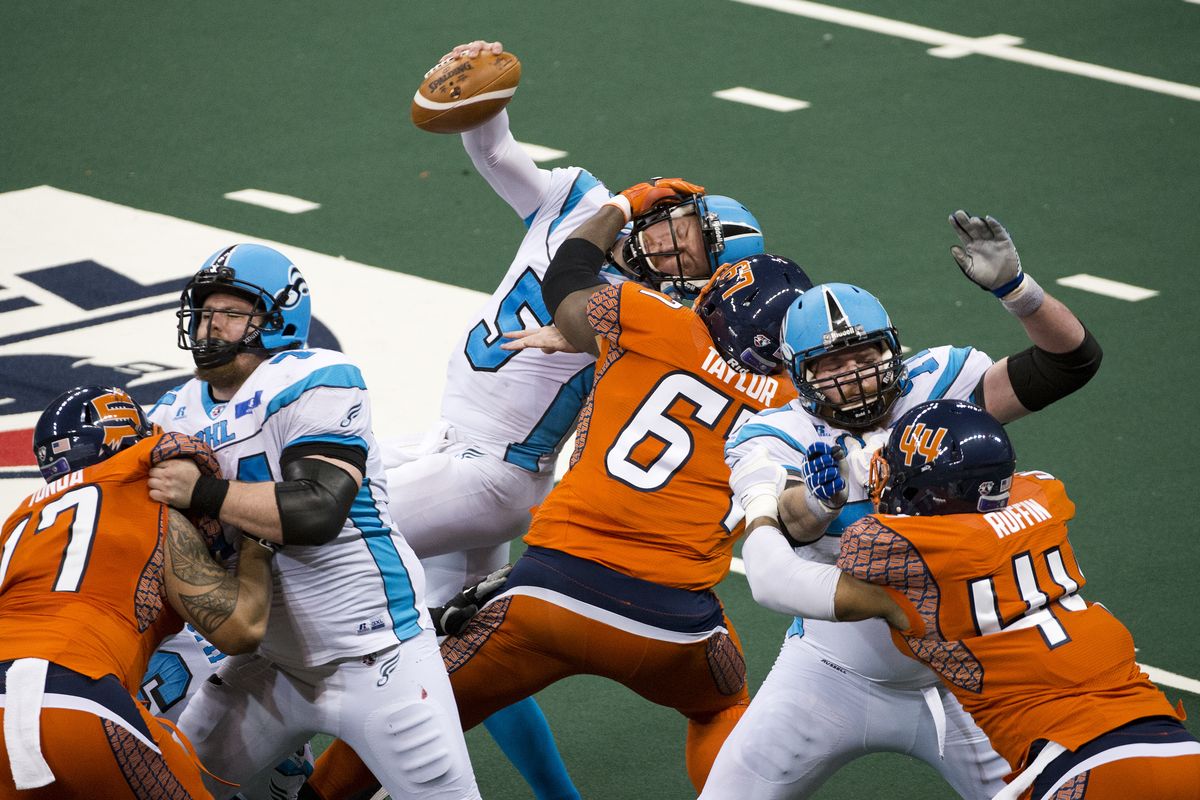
{"x": 764, "y": 505}
{"x": 621, "y": 203}
{"x": 1025, "y": 299}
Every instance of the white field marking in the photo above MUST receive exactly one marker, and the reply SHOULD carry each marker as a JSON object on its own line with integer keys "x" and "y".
{"x": 1106, "y": 287}
{"x": 753, "y": 97}
{"x": 994, "y": 46}
{"x": 1171, "y": 679}
{"x": 277, "y": 202}
{"x": 539, "y": 153}
{"x": 955, "y": 51}
{"x": 737, "y": 565}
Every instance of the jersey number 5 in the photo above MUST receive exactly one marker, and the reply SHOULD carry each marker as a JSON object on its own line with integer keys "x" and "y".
{"x": 86, "y": 502}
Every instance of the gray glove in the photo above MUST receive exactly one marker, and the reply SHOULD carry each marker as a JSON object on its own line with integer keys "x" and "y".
{"x": 988, "y": 256}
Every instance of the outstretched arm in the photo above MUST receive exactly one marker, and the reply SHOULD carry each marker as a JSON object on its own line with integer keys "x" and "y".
{"x": 1064, "y": 355}
{"x": 229, "y": 609}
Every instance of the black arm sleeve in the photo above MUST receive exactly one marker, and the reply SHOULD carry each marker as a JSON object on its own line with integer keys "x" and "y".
{"x": 314, "y": 499}
{"x": 1040, "y": 378}
{"x": 576, "y": 265}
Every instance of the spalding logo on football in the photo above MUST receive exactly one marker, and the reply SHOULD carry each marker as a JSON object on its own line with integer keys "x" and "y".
{"x": 459, "y": 94}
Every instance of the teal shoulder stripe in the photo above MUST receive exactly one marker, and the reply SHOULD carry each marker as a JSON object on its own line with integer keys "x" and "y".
{"x": 168, "y": 399}
{"x": 752, "y": 429}
{"x": 584, "y": 183}
{"x": 337, "y": 376}
{"x": 954, "y": 367}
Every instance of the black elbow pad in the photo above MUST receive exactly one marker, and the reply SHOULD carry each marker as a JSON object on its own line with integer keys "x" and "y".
{"x": 1039, "y": 378}
{"x": 576, "y": 265}
{"x": 314, "y": 499}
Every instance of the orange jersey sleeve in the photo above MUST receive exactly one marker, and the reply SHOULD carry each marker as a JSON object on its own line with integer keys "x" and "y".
{"x": 997, "y": 614}
{"x": 81, "y": 571}
{"x": 648, "y": 491}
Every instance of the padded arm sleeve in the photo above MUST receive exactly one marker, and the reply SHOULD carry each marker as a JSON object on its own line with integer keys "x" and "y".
{"x": 783, "y": 581}
{"x": 314, "y": 499}
{"x": 506, "y": 166}
{"x": 576, "y": 265}
{"x": 1039, "y": 378}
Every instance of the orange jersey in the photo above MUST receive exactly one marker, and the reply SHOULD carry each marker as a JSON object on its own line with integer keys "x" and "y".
{"x": 994, "y": 607}
{"x": 648, "y": 490}
{"x": 81, "y": 571}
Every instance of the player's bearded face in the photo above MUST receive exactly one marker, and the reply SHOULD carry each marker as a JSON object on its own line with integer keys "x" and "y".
{"x": 227, "y": 318}
{"x": 687, "y": 241}
{"x": 837, "y": 375}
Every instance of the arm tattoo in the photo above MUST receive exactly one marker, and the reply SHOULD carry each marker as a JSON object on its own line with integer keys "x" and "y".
{"x": 192, "y": 565}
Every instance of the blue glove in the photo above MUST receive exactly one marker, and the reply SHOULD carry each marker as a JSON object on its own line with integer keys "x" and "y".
{"x": 822, "y": 473}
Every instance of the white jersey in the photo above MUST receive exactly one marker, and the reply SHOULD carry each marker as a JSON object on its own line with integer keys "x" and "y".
{"x": 787, "y": 432}
{"x": 353, "y": 595}
{"x": 520, "y": 406}
{"x": 180, "y": 664}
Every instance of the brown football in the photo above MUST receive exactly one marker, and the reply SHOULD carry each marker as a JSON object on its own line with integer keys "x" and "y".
{"x": 459, "y": 94}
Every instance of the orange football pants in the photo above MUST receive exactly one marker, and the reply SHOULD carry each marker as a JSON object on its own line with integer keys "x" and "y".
{"x": 1168, "y": 778}
{"x": 519, "y": 645}
{"x": 93, "y": 758}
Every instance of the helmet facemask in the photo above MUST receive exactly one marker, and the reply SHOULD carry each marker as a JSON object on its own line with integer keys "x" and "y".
{"x": 844, "y": 398}
{"x": 195, "y": 321}
{"x": 663, "y": 268}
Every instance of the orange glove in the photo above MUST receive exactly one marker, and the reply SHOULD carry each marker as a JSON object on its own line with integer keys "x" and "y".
{"x": 641, "y": 197}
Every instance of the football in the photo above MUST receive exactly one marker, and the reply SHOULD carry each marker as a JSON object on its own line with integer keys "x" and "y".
{"x": 459, "y": 94}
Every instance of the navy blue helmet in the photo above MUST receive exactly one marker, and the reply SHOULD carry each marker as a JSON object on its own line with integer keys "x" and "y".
{"x": 264, "y": 276}
{"x": 943, "y": 457}
{"x": 84, "y": 426}
{"x": 743, "y": 306}
{"x": 729, "y": 231}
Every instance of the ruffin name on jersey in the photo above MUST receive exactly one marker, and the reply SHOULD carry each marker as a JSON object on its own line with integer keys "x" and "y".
{"x": 756, "y": 387}
{"x": 1016, "y": 517}
{"x": 54, "y": 487}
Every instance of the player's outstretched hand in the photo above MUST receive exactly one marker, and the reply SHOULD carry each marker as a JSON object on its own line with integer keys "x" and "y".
{"x": 988, "y": 256}
{"x": 472, "y": 49}
{"x": 452, "y": 618}
{"x": 548, "y": 339}
{"x": 172, "y": 482}
{"x": 642, "y": 197}
{"x": 822, "y": 470}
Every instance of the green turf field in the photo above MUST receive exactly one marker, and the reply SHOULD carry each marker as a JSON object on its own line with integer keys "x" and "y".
{"x": 168, "y": 106}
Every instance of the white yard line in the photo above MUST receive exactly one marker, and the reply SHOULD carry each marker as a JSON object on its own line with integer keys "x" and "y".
{"x": 952, "y": 45}
{"x": 753, "y": 97}
{"x": 276, "y": 202}
{"x": 1106, "y": 287}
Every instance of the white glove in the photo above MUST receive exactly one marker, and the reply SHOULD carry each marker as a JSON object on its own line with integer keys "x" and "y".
{"x": 858, "y": 457}
{"x": 756, "y": 482}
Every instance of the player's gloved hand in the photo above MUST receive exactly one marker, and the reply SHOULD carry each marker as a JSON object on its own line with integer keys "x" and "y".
{"x": 641, "y": 197}
{"x": 452, "y": 618}
{"x": 988, "y": 256}
{"x": 756, "y": 482}
{"x": 822, "y": 470}
{"x": 858, "y": 457}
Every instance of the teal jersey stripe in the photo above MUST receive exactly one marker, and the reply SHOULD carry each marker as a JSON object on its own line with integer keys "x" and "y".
{"x": 958, "y": 359}
{"x": 584, "y": 183}
{"x": 338, "y": 376}
{"x": 397, "y": 585}
{"x": 348, "y": 439}
{"x": 555, "y": 424}
{"x": 752, "y": 429}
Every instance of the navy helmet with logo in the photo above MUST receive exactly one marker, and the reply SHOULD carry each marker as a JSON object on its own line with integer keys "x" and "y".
{"x": 943, "y": 457}
{"x": 84, "y": 426}
{"x": 833, "y": 318}
{"x": 729, "y": 231}
{"x": 281, "y": 313}
{"x": 743, "y": 306}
